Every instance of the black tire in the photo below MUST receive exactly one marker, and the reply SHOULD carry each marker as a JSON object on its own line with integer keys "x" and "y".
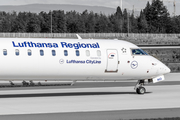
{"x": 137, "y": 91}
{"x": 140, "y": 90}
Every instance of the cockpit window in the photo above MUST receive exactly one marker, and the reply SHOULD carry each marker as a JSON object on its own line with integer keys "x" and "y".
{"x": 138, "y": 52}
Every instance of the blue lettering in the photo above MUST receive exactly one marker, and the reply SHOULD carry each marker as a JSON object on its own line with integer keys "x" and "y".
{"x": 97, "y": 45}
{"x": 64, "y": 44}
{"x": 21, "y": 44}
{"x": 76, "y": 46}
{"x": 31, "y": 44}
{"x": 70, "y": 45}
{"x": 159, "y": 79}
{"x": 25, "y": 44}
{"x": 39, "y": 45}
{"x": 83, "y": 62}
{"x": 93, "y": 62}
{"x": 44, "y": 45}
{"x": 49, "y": 45}
{"x": 79, "y": 45}
{"x": 94, "y": 45}
{"x": 83, "y": 45}
{"x": 14, "y": 44}
{"x": 75, "y": 61}
{"x": 55, "y": 45}
{"x": 89, "y": 46}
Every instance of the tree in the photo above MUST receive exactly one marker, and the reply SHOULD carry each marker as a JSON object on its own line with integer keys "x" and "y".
{"x": 125, "y": 21}
{"x": 20, "y": 23}
{"x": 18, "y": 26}
{"x": 33, "y": 24}
{"x": 7, "y": 22}
{"x": 157, "y": 16}
{"x": 103, "y": 24}
{"x": 80, "y": 25}
{"x": 133, "y": 24}
{"x": 117, "y": 20}
{"x": 71, "y": 21}
{"x": 89, "y": 21}
{"x": 154, "y": 18}
{"x": 45, "y": 22}
{"x": 174, "y": 25}
{"x": 59, "y": 21}
{"x": 142, "y": 23}
{"x": 118, "y": 13}
{"x": 90, "y": 25}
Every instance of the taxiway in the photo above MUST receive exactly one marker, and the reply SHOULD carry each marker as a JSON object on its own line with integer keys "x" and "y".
{"x": 91, "y": 100}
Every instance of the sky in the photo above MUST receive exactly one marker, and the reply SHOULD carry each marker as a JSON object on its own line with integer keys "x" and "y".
{"x": 138, "y": 4}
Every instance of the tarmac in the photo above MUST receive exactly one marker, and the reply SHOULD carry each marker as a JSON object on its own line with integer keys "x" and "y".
{"x": 104, "y": 102}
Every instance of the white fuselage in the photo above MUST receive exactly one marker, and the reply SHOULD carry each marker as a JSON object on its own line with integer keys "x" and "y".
{"x": 57, "y": 59}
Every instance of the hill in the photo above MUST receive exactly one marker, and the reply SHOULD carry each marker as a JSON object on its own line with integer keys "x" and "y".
{"x": 37, "y": 8}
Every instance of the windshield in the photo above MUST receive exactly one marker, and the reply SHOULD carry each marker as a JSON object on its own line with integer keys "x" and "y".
{"x": 138, "y": 52}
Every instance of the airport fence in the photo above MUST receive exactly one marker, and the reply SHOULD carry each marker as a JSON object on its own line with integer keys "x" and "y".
{"x": 87, "y": 35}
{"x": 136, "y": 38}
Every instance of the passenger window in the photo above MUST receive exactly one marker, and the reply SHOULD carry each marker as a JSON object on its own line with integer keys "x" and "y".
{"x": 98, "y": 53}
{"x": 65, "y": 53}
{"x": 77, "y": 53}
{"x": 4, "y": 52}
{"x": 41, "y": 52}
{"x": 87, "y": 53}
{"x": 29, "y": 52}
{"x": 53, "y": 53}
{"x": 17, "y": 52}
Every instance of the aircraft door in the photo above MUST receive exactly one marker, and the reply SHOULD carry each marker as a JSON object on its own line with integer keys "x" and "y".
{"x": 112, "y": 61}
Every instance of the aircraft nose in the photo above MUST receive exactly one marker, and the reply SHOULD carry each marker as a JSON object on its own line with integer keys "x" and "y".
{"x": 165, "y": 69}
{"x": 168, "y": 70}
{"x": 160, "y": 67}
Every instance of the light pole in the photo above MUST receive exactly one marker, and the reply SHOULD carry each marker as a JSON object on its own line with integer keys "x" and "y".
{"x": 121, "y": 5}
{"x": 174, "y": 8}
{"x": 128, "y": 24}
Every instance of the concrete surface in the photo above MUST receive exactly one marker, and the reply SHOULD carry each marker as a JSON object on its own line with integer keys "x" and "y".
{"x": 87, "y": 99}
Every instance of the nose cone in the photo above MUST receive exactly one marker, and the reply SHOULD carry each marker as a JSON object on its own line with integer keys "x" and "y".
{"x": 160, "y": 67}
{"x": 164, "y": 69}
{"x": 167, "y": 70}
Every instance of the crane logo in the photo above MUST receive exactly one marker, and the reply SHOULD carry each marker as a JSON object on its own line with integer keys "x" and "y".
{"x": 61, "y": 61}
{"x": 134, "y": 64}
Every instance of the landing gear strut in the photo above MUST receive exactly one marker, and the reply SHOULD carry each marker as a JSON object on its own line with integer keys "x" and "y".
{"x": 31, "y": 83}
{"x": 139, "y": 87}
{"x": 24, "y": 83}
{"x": 11, "y": 83}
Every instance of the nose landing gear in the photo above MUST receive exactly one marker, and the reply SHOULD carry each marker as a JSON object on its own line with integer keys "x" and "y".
{"x": 140, "y": 90}
{"x": 139, "y": 87}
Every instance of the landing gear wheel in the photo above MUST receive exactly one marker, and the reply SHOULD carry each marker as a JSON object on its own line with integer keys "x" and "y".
{"x": 140, "y": 90}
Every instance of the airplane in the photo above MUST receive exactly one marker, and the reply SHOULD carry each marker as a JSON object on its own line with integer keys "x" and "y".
{"x": 45, "y": 59}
